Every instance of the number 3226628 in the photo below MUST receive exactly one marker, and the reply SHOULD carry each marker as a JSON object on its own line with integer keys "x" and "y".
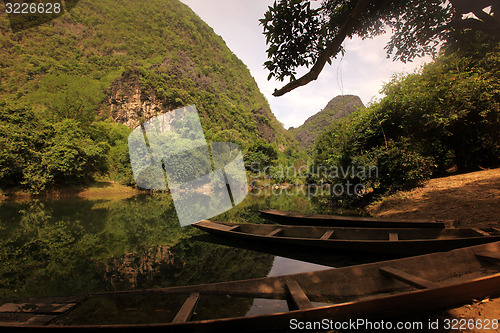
{"x": 32, "y": 8}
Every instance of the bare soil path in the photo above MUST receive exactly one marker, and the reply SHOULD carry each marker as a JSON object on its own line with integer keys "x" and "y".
{"x": 473, "y": 199}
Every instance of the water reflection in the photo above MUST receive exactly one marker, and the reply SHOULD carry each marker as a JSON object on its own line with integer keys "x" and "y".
{"x": 283, "y": 266}
{"x": 125, "y": 272}
{"x": 315, "y": 256}
{"x": 75, "y": 246}
{"x": 263, "y": 306}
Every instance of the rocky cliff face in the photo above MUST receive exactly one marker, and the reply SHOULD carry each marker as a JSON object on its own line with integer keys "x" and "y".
{"x": 127, "y": 104}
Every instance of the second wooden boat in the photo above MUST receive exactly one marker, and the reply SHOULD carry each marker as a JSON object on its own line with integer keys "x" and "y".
{"x": 392, "y": 241}
{"x": 295, "y": 218}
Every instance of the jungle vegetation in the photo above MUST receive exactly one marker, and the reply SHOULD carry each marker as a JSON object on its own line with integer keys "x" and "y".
{"x": 337, "y": 108}
{"x": 444, "y": 118}
{"x": 55, "y": 127}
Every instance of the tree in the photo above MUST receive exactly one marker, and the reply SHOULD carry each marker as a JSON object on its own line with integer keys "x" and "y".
{"x": 299, "y": 35}
{"x": 21, "y": 140}
{"x": 261, "y": 155}
{"x": 444, "y": 118}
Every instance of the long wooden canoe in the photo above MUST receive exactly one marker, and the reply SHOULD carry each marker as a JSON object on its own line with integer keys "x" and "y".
{"x": 372, "y": 292}
{"x": 295, "y": 218}
{"x": 400, "y": 241}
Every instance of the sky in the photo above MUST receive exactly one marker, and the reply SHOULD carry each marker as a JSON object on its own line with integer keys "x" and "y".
{"x": 362, "y": 71}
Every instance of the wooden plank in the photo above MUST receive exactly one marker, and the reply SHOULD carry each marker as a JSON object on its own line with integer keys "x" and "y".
{"x": 491, "y": 256}
{"x": 187, "y": 309}
{"x": 407, "y": 278}
{"x": 393, "y": 236}
{"x": 327, "y": 234}
{"x": 298, "y": 296}
{"x": 36, "y": 308}
{"x": 274, "y": 232}
{"x": 496, "y": 229}
{"x": 479, "y": 231}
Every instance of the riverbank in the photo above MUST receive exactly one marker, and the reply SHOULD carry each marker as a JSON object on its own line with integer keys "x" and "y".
{"x": 473, "y": 199}
{"x": 99, "y": 190}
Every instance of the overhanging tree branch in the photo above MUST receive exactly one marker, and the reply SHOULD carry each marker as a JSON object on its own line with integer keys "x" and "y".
{"x": 331, "y": 50}
{"x": 413, "y": 36}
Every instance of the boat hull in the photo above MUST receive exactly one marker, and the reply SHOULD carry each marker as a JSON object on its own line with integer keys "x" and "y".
{"x": 294, "y": 218}
{"x": 310, "y": 237}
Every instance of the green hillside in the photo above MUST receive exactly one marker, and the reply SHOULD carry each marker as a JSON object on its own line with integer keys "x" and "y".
{"x": 314, "y": 126}
{"x": 106, "y": 62}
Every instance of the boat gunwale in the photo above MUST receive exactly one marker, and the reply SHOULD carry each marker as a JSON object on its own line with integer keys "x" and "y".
{"x": 310, "y": 217}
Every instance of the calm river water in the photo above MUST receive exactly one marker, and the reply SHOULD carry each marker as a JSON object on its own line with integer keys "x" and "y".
{"x": 76, "y": 246}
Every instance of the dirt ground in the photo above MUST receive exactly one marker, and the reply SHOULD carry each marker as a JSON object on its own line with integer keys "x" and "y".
{"x": 473, "y": 200}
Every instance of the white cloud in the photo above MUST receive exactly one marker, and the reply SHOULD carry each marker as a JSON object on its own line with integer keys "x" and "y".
{"x": 361, "y": 72}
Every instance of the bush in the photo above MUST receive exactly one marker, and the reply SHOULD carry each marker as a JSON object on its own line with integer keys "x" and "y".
{"x": 71, "y": 154}
{"x": 398, "y": 167}
{"x": 37, "y": 155}
{"x": 261, "y": 154}
{"x": 21, "y": 143}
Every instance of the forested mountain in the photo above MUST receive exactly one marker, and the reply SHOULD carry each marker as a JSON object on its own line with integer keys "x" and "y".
{"x": 314, "y": 126}
{"x": 67, "y": 82}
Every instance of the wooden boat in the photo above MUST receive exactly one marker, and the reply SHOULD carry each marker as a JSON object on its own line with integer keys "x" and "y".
{"x": 295, "y": 218}
{"x": 373, "y": 291}
{"x": 400, "y": 241}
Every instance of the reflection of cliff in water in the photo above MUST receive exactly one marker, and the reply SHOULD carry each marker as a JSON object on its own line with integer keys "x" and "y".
{"x": 315, "y": 256}
{"x": 126, "y": 269}
{"x": 188, "y": 262}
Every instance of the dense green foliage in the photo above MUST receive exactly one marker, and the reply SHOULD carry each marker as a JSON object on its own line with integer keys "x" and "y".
{"x": 63, "y": 71}
{"x": 299, "y": 34}
{"x": 39, "y": 154}
{"x": 337, "y": 108}
{"x": 446, "y": 117}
